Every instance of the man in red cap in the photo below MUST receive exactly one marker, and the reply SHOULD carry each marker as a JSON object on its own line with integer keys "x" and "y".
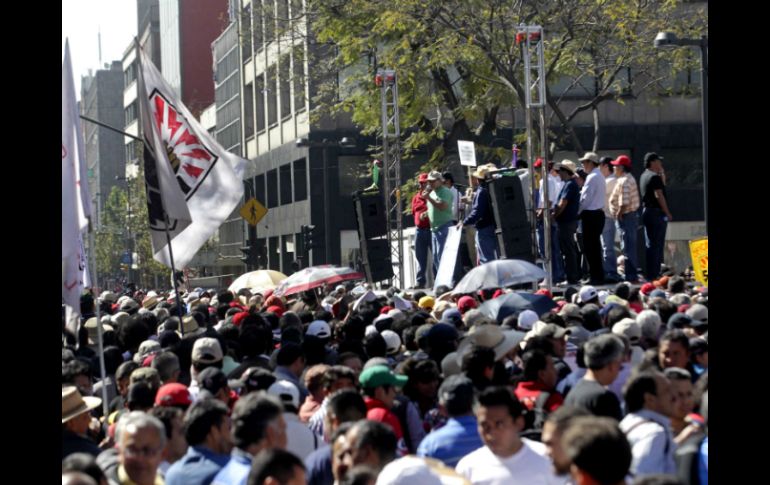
{"x": 624, "y": 206}
{"x": 423, "y": 239}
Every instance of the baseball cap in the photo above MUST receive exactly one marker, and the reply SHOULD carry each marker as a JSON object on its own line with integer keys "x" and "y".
{"x": 212, "y": 379}
{"x": 527, "y": 318}
{"x": 423, "y": 177}
{"x": 434, "y": 175}
{"x": 591, "y": 157}
{"x": 426, "y": 302}
{"x": 392, "y": 341}
{"x": 380, "y": 375}
{"x": 699, "y": 314}
{"x": 622, "y": 160}
{"x": 320, "y": 329}
{"x": 551, "y": 330}
{"x": 587, "y": 293}
{"x": 651, "y": 157}
{"x": 286, "y": 391}
{"x": 679, "y": 320}
{"x": 255, "y": 379}
{"x": 466, "y": 303}
{"x": 207, "y": 350}
{"x": 456, "y": 389}
{"x": 629, "y": 328}
{"x": 173, "y": 394}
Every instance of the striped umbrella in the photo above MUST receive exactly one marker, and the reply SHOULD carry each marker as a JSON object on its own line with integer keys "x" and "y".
{"x": 316, "y": 276}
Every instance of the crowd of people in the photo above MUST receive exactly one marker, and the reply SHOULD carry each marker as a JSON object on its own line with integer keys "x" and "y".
{"x": 589, "y": 206}
{"x": 345, "y": 385}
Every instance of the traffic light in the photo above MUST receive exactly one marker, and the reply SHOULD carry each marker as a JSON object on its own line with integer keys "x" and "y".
{"x": 309, "y": 238}
{"x": 250, "y": 255}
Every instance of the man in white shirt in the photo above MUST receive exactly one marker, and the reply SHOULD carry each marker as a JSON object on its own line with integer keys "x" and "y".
{"x": 591, "y": 210}
{"x": 609, "y": 261}
{"x": 299, "y": 439}
{"x": 506, "y": 458}
{"x": 554, "y": 187}
{"x": 650, "y": 402}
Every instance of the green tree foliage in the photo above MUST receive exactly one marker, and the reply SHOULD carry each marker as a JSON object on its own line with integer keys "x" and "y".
{"x": 460, "y": 69}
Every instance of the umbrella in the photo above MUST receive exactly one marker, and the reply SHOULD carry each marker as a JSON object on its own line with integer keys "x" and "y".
{"x": 264, "y": 279}
{"x": 513, "y": 303}
{"x": 498, "y": 274}
{"x": 316, "y": 276}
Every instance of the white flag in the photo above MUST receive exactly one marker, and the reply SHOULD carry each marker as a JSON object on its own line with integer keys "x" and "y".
{"x": 75, "y": 198}
{"x": 188, "y": 176}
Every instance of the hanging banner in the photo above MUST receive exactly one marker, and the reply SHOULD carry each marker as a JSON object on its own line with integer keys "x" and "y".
{"x": 446, "y": 266}
{"x": 699, "y": 252}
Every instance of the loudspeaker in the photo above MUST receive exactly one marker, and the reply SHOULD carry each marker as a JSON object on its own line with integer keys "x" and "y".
{"x": 513, "y": 230}
{"x": 370, "y": 214}
{"x": 376, "y": 259}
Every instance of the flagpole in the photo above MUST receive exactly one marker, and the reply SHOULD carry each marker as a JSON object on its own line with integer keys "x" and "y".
{"x": 173, "y": 274}
{"x": 100, "y": 330}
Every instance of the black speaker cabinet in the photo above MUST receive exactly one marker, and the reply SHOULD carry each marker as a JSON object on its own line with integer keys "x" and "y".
{"x": 513, "y": 231}
{"x": 370, "y": 214}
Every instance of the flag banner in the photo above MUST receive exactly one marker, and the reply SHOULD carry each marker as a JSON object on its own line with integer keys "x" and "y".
{"x": 189, "y": 177}
{"x": 76, "y": 199}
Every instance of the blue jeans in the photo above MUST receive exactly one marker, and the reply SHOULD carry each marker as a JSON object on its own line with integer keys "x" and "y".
{"x": 627, "y": 227}
{"x": 422, "y": 243}
{"x": 439, "y": 239}
{"x": 655, "y": 222}
{"x": 557, "y": 264}
{"x": 486, "y": 244}
{"x": 609, "y": 260}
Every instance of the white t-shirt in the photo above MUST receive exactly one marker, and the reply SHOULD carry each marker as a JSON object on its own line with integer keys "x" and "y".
{"x": 526, "y": 467}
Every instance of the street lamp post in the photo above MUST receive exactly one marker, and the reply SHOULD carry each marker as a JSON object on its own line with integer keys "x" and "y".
{"x": 669, "y": 39}
{"x": 129, "y": 246}
{"x": 325, "y": 145}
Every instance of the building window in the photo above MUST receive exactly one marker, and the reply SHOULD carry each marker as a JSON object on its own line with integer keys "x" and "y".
{"x": 272, "y": 188}
{"x": 272, "y": 96}
{"x": 129, "y": 75}
{"x": 246, "y": 34}
{"x": 283, "y": 16}
{"x": 287, "y": 254}
{"x": 268, "y": 12}
{"x": 286, "y": 184}
{"x": 260, "y": 94}
{"x": 259, "y": 189}
{"x": 298, "y": 77}
{"x": 248, "y": 110}
{"x": 130, "y": 113}
{"x": 300, "y": 180}
{"x": 285, "y": 74}
{"x": 257, "y": 31}
{"x": 274, "y": 254}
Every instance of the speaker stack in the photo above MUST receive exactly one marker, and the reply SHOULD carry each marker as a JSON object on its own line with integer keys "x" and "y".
{"x": 513, "y": 231}
{"x": 372, "y": 236}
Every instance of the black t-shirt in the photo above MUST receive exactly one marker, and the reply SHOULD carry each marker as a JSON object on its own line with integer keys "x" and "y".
{"x": 649, "y": 183}
{"x": 594, "y": 398}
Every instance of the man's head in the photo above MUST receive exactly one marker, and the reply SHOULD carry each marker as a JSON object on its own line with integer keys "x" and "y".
{"x": 598, "y": 449}
{"x": 75, "y": 409}
{"x": 538, "y": 367}
{"x": 207, "y": 424}
{"x": 674, "y": 349}
{"x": 276, "y": 467}
{"x": 449, "y": 179}
{"x": 566, "y": 169}
{"x": 78, "y": 374}
{"x": 456, "y": 395}
{"x": 603, "y": 356}
{"x": 292, "y": 357}
{"x": 167, "y": 365}
{"x": 590, "y": 161}
{"x": 258, "y": 424}
{"x": 553, "y": 430}
{"x": 371, "y": 443}
{"x": 141, "y": 439}
{"x": 681, "y": 386}
{"x": 605, "y": 165}
{"x": 500, "y": 420}
{"x": 338, "y": 377}
{"x": 650, "y": 390}
{"x": 653, "y": 161}
{"x": 343, "y": 406}
{"x": 422, "y": 180}
{"x": 435, "y": 180}
{"x": 352, "y": 361}
{"x": 173, "y": 422}
{"x": 123, "y": 376}
{"x": 381, "y": 383}
{"x": 621, "y": 165}
{"x": 287, "y": 393}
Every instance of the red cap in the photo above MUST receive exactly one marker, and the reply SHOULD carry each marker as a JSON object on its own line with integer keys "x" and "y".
{"x": 385, "y": 310}
{"x": 273, "y": 300}
{"x": 662, "y": 282}
{"x": 682, "y": 308}
{"x": 238, "y": 318}
{"x": 147, "y": 362}
{"x": 543, "y": 291}
{"x": 538, "y": 163}
{"x": 622, "y": 160}
{"x": 275, "y": 309}
{"x": 497, "y": 293}
{"x": 173, "y": 394}
{"x": 423, "y": 178}
{"x": 466, "y": 303}
{"x": 647, "y": 288}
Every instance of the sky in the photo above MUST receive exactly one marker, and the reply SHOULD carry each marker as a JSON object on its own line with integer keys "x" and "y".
{"x": 81, "y": 22}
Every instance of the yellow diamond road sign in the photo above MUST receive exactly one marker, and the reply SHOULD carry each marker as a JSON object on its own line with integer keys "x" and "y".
{"x": 253, "y": 211}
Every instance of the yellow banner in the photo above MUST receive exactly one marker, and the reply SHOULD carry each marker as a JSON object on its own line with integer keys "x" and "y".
{"x": 699, "y": 252}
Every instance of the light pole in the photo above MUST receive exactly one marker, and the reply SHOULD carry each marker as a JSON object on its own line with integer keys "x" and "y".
{"x": 129, "y": 248}
{"x": 325, "y": 144}
{"x": 669, "y": 39}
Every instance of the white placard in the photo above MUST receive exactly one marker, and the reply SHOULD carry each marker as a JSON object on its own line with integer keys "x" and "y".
{"x": 467, "y": 153}
{"x": 446, "y": 267}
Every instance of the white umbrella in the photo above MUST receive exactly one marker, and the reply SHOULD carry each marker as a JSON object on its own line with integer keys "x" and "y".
{"x": 316, "y": 276}
{"x": 499, "y": 274}
{"x": 264, "y": 279}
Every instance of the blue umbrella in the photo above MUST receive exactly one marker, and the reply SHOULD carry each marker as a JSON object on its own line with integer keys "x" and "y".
{"x": 515, "y": 303}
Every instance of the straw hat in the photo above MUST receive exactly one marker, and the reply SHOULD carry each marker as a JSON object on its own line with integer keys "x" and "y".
{"x": 73, "y": 404}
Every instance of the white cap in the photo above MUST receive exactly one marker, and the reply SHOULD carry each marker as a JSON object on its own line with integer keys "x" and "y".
{"x": 392, "y": 341}
{"x": 397, "y": 315}
{"x": 527, "y": 318}
{"x": 587, "y": 293}
{"x": 603, "y": 294}
{"x": 370, "y": 330}
{"x": 286, "y": 391}
{"x": 319, "y": 329}
{"x": 629, "y": 328}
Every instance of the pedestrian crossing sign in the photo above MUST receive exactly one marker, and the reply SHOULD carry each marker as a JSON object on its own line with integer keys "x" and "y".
{"x": 252, "y": 211}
